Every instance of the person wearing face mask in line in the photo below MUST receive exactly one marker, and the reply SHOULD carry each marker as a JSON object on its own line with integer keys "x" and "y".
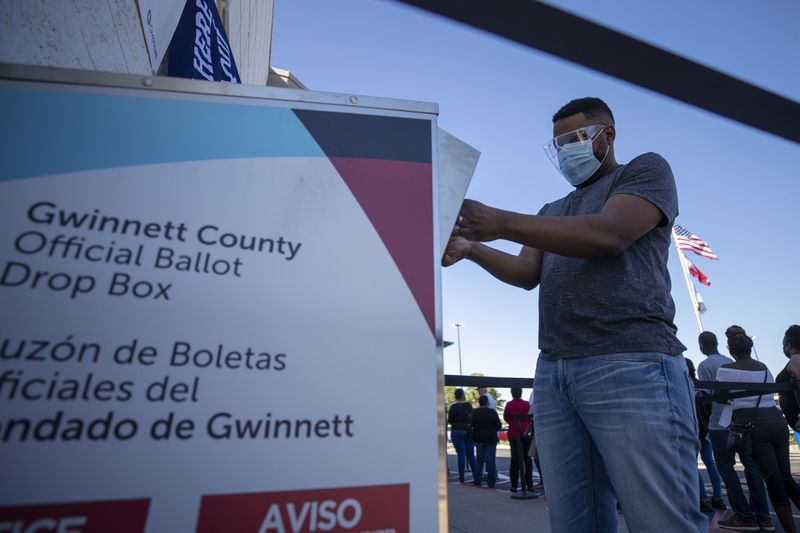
{"x": 789, "y": 400}
{"x": 610, "y": 380}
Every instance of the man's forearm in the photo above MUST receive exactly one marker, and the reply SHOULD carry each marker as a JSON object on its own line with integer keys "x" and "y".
{"x": 512, "y": 269}
{"x": 584, "y": 236}
{"x": 624, "y": 219}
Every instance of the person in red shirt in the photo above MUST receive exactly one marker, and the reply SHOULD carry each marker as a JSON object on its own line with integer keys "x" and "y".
{"x": 519, "y": 406}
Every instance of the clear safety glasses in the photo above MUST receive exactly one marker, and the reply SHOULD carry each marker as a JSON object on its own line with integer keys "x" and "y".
{"x": 571, "y": 138}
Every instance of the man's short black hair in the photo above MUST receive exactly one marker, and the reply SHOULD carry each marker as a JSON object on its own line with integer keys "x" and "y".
{"x": 793, "y": 335}
{"x": 708, "y": 339}
{"x": 516, "y": 392}
{"x": 458, "y": 394}
{"x": 589, "y": 106}
{"x": 483, "y": 401}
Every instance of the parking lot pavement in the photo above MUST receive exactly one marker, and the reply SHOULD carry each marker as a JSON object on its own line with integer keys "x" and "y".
{"x": 503, "y": 465}
{"x": 474, "y": 509}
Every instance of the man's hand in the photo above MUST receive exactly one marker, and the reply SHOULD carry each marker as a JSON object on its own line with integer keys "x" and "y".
{"x": 523, "y": 270}
{"x": 457, "y": 249}
{"x": 479, "y": 222}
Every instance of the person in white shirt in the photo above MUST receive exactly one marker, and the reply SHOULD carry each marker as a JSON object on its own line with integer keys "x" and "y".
{"x": 482, "y": 391}
{"x": 752, "y": 512}
{"x": 770, "y": 441}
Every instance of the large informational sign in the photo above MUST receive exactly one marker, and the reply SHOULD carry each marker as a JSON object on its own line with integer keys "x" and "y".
{"x": 219, "y": 312}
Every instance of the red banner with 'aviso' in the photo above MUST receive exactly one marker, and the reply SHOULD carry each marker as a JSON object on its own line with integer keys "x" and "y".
{"x": 120, "y": 516}
{"x": 375, "y": 509}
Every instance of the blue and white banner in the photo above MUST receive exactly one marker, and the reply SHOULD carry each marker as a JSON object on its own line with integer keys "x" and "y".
{"x": 199, "y": 47}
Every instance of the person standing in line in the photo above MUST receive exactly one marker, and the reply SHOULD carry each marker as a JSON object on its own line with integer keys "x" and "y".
{"x": 770, "y": 439}
{"x": 485, "y": 424}
{"x": 707, "y": 505}
{"x": 746, "y": 514}
{"x": 535, "y": 455}
{"x": 446, "y": 462}
{"x": 483, "y": 391}
{"x": 458, "y": 418}
{"x": 788, "y": 400}
{"x": 520, "y": 442}
{"x": 715, "y": 502}
{"x": 609, "y": 351}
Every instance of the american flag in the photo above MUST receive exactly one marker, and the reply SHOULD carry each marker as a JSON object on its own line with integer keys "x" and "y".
{"x": 686, "y": 240}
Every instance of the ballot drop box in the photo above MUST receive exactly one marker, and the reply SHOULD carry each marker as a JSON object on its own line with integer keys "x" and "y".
{"x": 220, "y": 308}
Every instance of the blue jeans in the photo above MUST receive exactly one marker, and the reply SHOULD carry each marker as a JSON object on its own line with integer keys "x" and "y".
{"x": 618, "y": 427}
{"x": 464, "y": 451}
{"x": 707, "y": 455}
{"x": 726, "y": 459}
{"x": 486, "y": 455}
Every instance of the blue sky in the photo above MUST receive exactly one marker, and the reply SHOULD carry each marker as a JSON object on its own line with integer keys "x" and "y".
{"x": 739, "y": 188}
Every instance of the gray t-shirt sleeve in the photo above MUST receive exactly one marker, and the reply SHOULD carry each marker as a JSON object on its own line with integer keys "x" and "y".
{"x": 649, "y": 176}
{"x": 543, "y": 210}
{"x": 705, "y": 372}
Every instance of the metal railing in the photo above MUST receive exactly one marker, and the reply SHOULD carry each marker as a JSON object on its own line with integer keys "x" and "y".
{"x": 721, "y": 388}
{"x": 453, "y": 380}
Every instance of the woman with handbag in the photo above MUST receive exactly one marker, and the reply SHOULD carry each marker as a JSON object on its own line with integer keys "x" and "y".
{"x": 758, "y": 427}
{"x": 459, "y": 418}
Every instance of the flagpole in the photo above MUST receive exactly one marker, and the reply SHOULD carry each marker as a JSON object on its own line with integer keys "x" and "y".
{"x": 689, "y": 284}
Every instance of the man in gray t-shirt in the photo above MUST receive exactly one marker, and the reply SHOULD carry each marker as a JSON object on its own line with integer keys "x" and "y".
{"x": 707, "y": 371}
{"x": 615, "y": 409}
{"x": 582, "y": 309}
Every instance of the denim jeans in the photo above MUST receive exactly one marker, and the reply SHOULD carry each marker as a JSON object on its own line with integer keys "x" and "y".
{"x": 707, "y": 455}
{"x": 726, "y": 459}
{"x": 618, "y": 427}
{"x": 464, "y": 451}
{"x": 486, "y": 452}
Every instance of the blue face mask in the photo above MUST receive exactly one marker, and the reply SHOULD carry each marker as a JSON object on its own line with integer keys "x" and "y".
{"x": 577, "y": 162}
{"x": 572, "y": 155}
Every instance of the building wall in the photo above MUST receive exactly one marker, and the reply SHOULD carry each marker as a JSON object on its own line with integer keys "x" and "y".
{"x": 248, "y": 24}
{"x": 106, "y": 35}
{"x": 101, "y": 35}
